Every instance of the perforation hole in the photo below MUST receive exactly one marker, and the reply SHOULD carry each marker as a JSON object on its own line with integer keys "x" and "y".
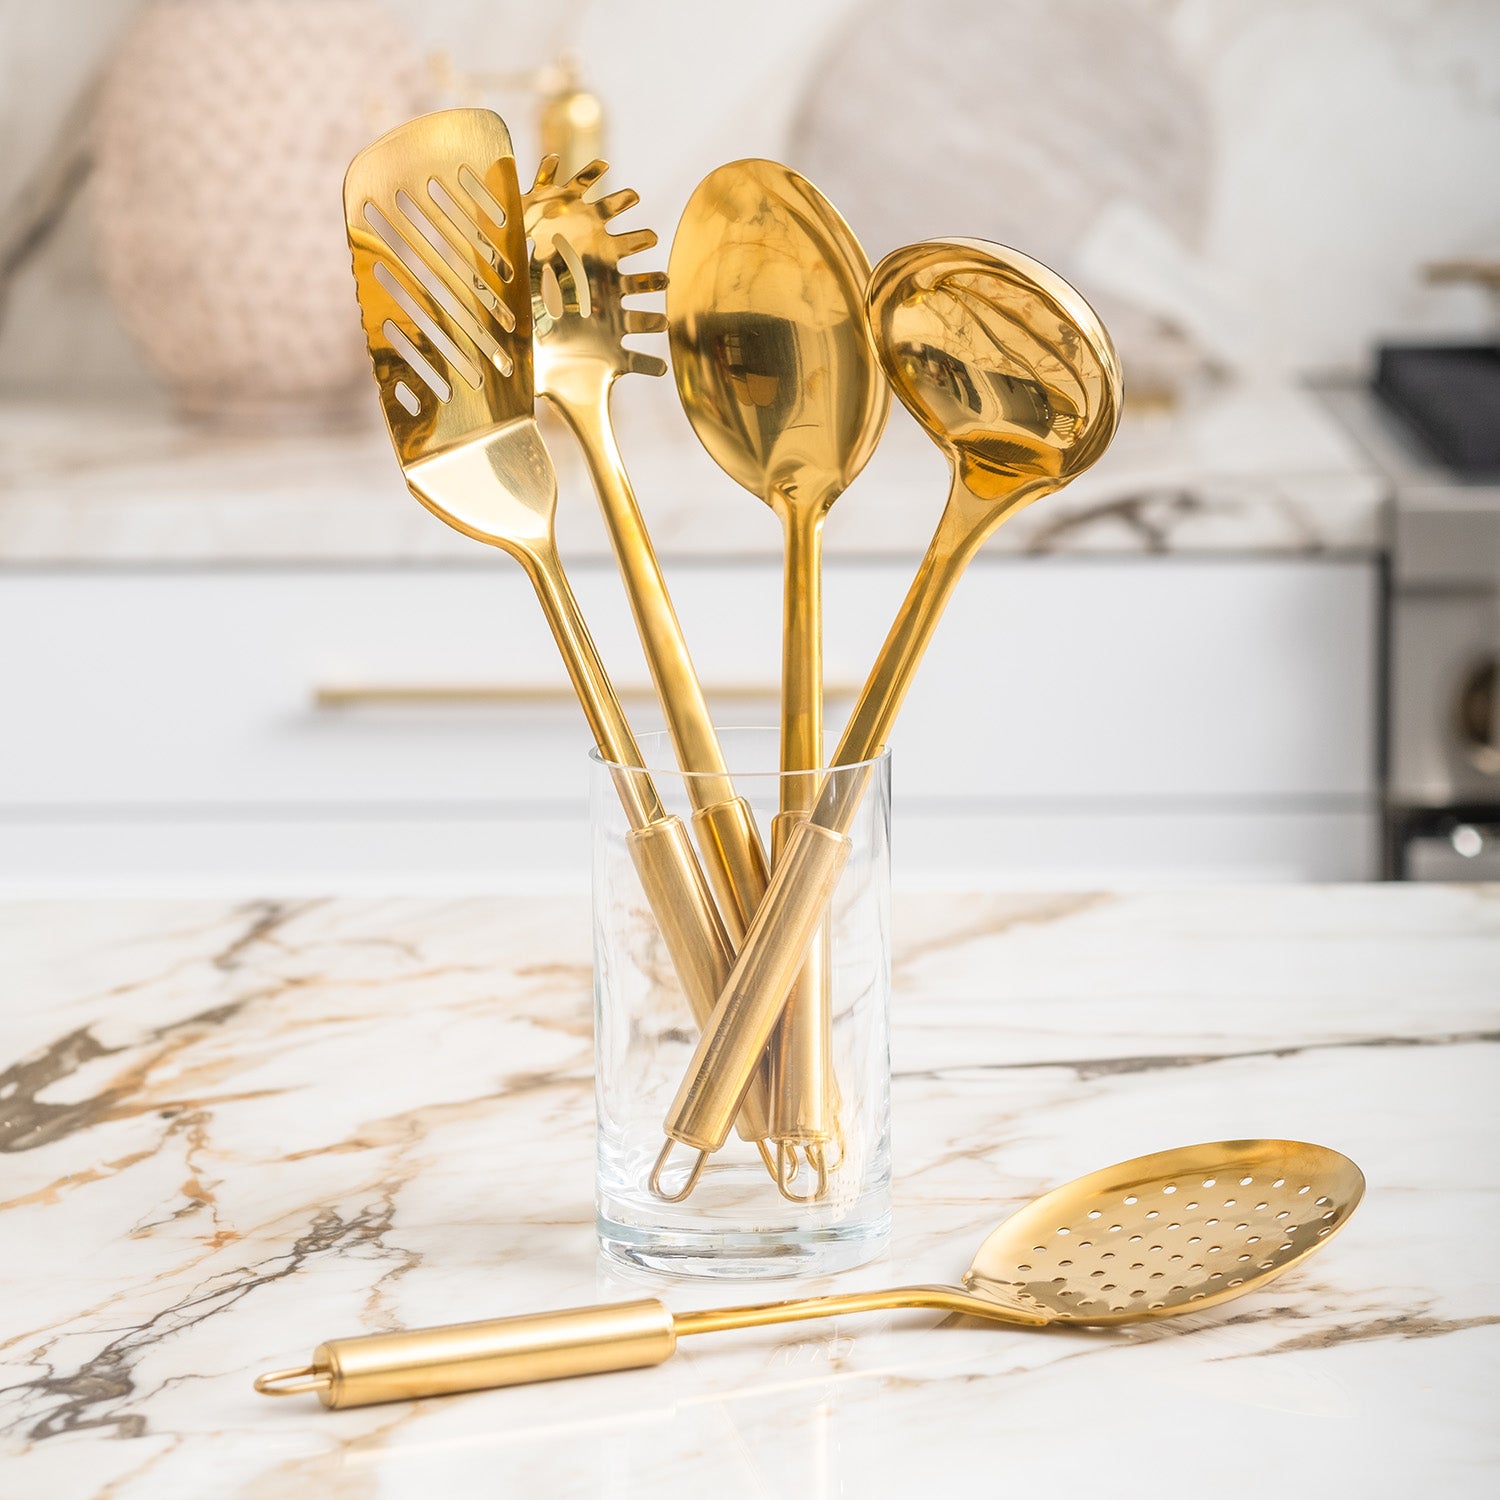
{"x": 1210, "y": 1181}
{"x": 1152, "y": 1214}
{"x": 1095, "y": 1214}
{"x": 1280, "y": 1182}
{"x": 1246, "y": 1181}
{"x": 1306, "y": 1187}
{"x": 1170, "y": 1188}
{"x": 1131, "y": 1198}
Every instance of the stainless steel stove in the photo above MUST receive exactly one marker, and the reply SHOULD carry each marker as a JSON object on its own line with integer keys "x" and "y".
{"x": 1443, "y": 685}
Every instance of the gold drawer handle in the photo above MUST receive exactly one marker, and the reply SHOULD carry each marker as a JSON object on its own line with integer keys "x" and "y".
{"x": 334, "y": 695}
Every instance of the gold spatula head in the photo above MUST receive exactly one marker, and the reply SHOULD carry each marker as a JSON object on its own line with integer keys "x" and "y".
{"x": 439, "y": 245}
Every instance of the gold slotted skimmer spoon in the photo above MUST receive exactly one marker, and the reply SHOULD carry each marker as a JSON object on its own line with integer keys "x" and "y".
{"x": 775, "y": 370}
{"x": 433, "y": 213}
{"x": 580, "y": 322}
{"x": 1014, "y": 377}
{"x": 1174, "y": 1232}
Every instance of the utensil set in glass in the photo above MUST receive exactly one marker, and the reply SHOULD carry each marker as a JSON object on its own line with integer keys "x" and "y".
{"x": 785, "y": 346}
{"x": 476, "y": 300}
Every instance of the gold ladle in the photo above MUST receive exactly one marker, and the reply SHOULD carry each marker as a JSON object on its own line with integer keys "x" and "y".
{"x": 1174, "y": 1232}
{"x": 774, "y": 367}
{"x": 1014, "y": 377}
{"x": 434, "y": 219}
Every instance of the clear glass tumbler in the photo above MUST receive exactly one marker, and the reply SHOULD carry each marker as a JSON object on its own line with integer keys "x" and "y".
{"x": 832, "y": 1208}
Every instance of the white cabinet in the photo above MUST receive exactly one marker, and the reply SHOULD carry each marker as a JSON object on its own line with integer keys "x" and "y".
{"x": 1077, "y": 720}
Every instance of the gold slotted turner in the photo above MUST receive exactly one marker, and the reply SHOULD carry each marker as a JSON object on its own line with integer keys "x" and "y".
{"x": 433, "y": 212}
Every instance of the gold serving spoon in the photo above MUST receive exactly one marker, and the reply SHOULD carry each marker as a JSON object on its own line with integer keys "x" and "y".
{"x": 1014, "y": 377}
{"x": 1174, "y": 1232}
{"x": 579, "y": 325}
{"x": 773, "y": 363}
{"x": 433, "y": 212}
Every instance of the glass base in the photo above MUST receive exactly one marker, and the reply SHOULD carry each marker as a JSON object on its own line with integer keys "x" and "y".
{"x": 728, "y": 1256}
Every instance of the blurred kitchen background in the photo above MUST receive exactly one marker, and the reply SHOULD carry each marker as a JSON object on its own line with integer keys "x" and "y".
{"x": 1259, "y": 641}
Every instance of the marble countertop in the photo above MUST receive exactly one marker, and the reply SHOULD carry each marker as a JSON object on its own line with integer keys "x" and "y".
{"x": 232, "y": 1130}
{"x": 1236, "y": 470}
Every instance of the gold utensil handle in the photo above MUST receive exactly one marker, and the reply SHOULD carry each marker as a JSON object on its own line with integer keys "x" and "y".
{"x": 695, "y": 937}
{"x": 735, "y": 858}
{"x": 575, "y": 1341}
{"x": 803, "y": 882}
{"x": 802, "y": 1087}
{"x": 478, "y": 1356}
{"x": 735, "y": 1037}
{"x": 671, "y": 876}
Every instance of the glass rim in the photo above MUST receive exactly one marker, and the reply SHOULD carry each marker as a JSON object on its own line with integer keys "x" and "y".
{"x": 663, "y": 737}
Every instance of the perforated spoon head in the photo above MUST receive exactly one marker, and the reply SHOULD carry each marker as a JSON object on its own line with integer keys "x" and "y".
{"x": 1168, "y": 1233}
{"x": 578, "y": 288}
{"x": 1004, "y": 364}
{"x": 770, "y": 350}
{"x": 433, "y": 213}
